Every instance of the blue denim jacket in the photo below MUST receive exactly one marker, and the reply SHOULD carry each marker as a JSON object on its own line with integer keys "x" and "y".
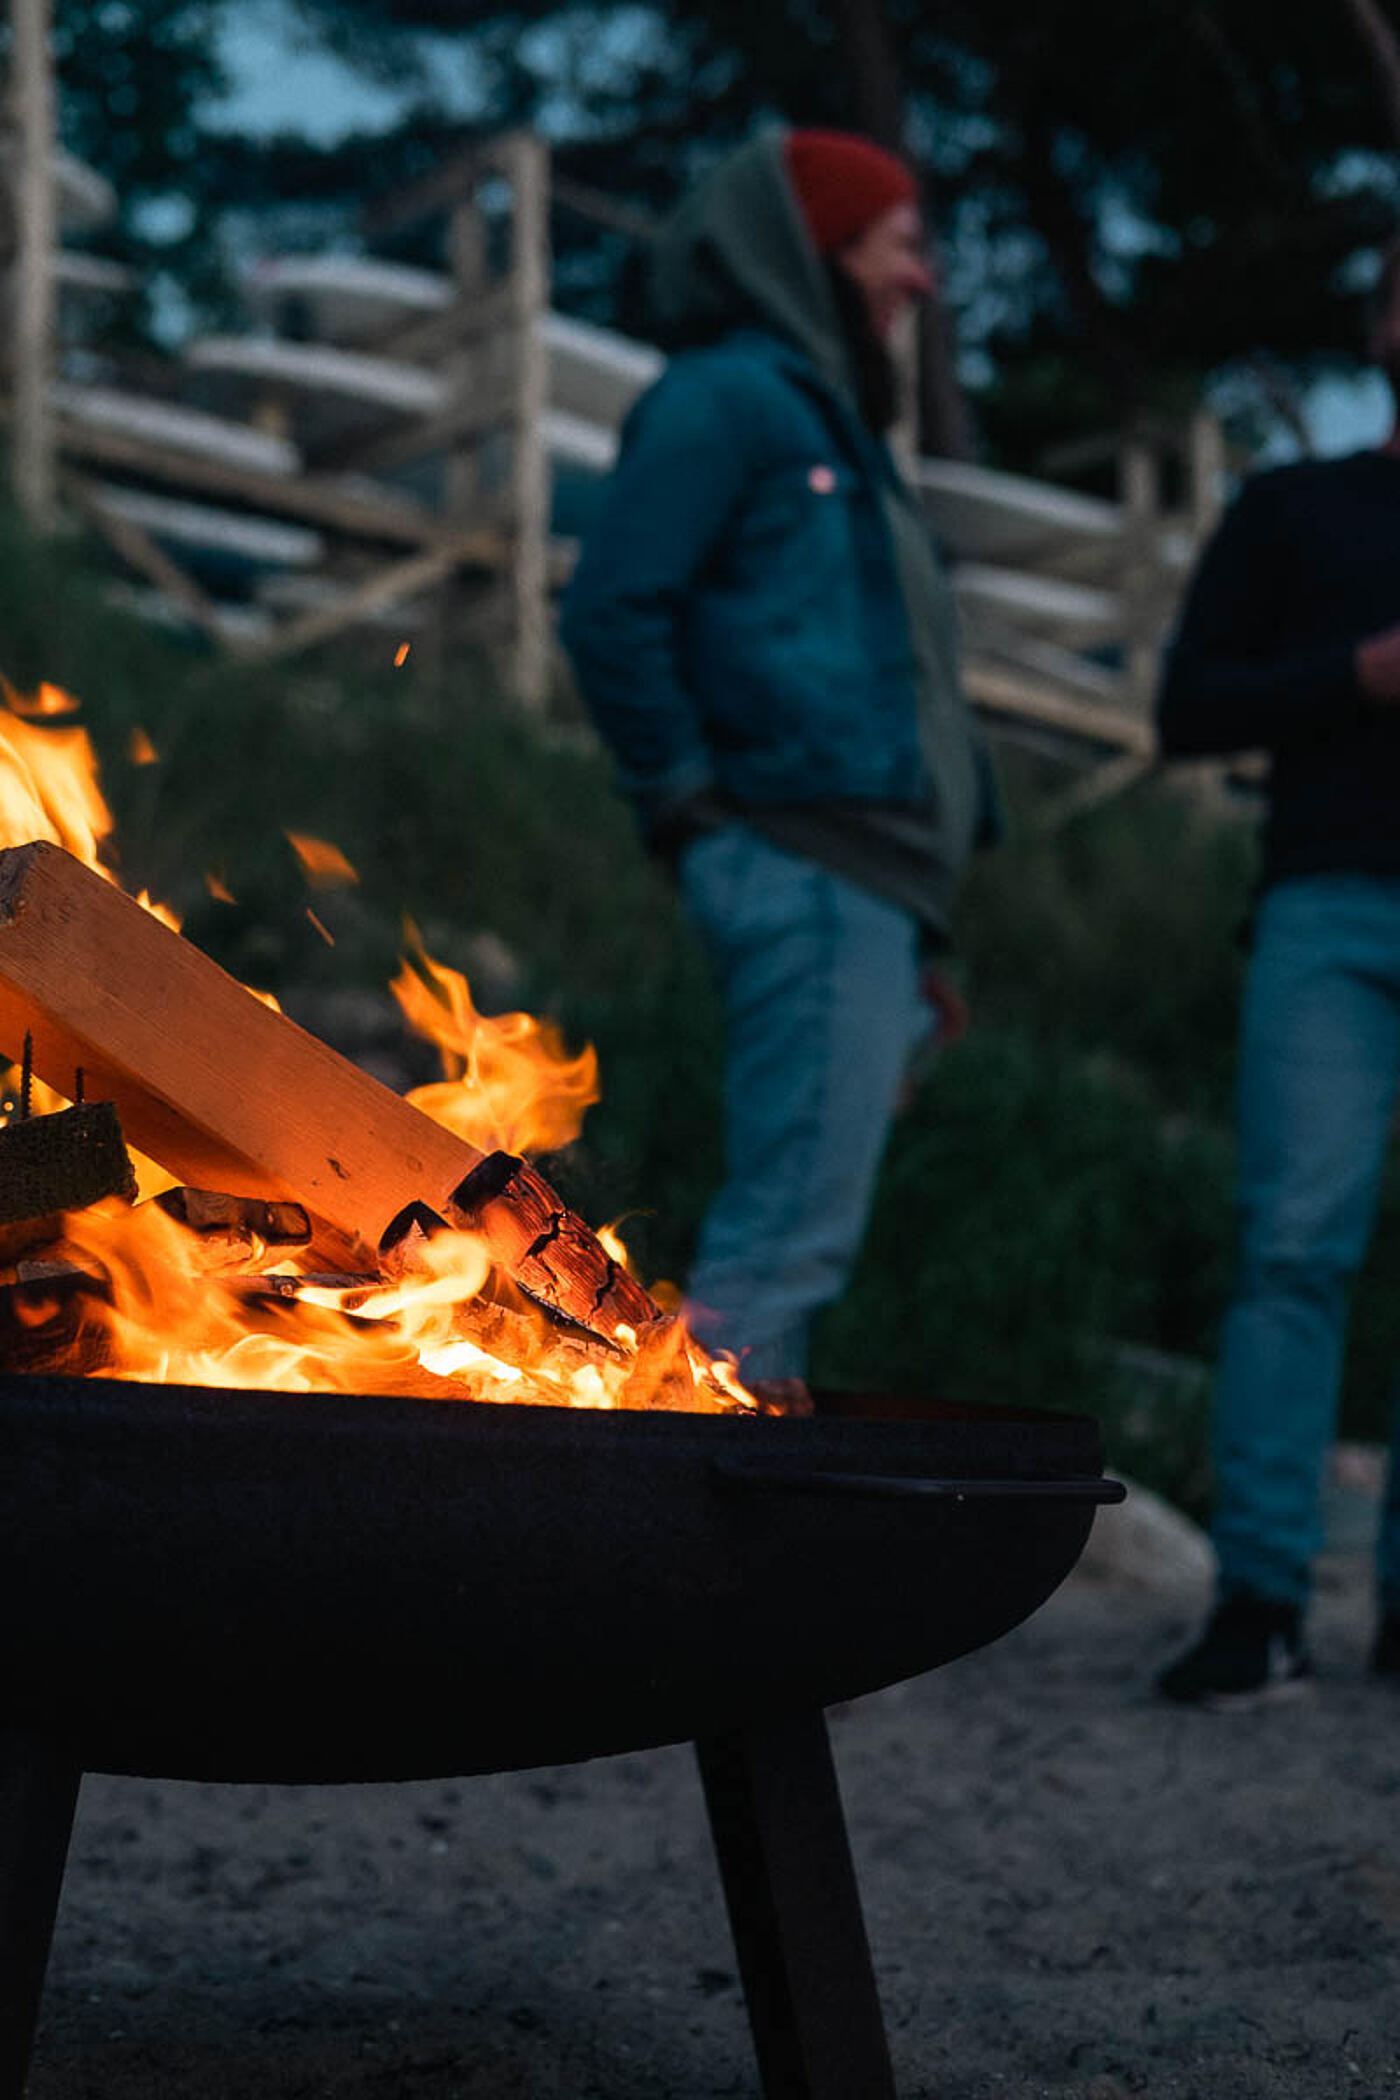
{"x": 736, "y": 620}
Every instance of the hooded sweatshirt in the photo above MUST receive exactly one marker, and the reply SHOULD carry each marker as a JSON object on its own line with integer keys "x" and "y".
{"x": 694, "y": 666}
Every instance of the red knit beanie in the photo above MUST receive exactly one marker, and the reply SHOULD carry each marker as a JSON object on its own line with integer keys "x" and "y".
{"x": 843, "y": 183}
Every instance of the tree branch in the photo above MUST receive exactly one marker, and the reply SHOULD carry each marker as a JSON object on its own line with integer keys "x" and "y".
{"x": 1263, "y": 148}
{"x": 1383, "y": 49}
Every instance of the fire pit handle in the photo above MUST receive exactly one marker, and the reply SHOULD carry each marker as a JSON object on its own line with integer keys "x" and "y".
{"x": 739, "y": 1472}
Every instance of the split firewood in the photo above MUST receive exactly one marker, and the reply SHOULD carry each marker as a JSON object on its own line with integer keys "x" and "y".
{"x": 355, "y": 1288}
{"x": 205, "y": 1210}
{"x": 551, "y": 1253}
{"x": 236, "y": 1232}
{"x": 405, "y": 1239}
{"x": 229, "y": 1095}
{"x": 514, "y": 1333}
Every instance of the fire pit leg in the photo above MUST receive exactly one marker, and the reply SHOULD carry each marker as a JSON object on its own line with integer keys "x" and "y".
{"x": 38, "y": 1795}
{"x": 794, "y": 1906}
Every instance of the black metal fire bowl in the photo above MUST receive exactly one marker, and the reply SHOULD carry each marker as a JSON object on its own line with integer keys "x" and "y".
{"x": 251, "y": 1586}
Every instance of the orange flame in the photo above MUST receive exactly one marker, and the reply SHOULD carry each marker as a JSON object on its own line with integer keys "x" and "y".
{"x": 48, "y": 786}
{"x": 165, "y": 1304}
{"x": 509, "y": 1083}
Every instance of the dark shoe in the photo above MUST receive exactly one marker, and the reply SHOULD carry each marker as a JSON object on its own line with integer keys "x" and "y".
{"x": 1251, "y": 1652}
{"x": 1385, "y": 1656}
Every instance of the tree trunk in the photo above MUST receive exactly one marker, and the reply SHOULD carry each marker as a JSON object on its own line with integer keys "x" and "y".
{"x": 1383, "y": 50}
{"x": 878, "y": 106}
{"x": 1055, "y": 214}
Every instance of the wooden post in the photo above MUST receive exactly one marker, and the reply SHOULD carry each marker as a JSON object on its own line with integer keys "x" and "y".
{"x": 524, "y": 159}
{"x": 467, "y": 367}
{"x": 466, "y": 247}
{"x": 1205, "y": 445}
{"x": 32, "y": 101}
{"x": 1142, "y": 525}
{"x": 904, "y": 437}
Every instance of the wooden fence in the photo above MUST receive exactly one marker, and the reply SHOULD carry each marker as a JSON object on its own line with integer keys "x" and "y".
{"x": 383, "y": 446}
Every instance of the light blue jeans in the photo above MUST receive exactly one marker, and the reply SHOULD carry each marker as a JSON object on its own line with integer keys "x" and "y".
{"x": 820, "y": 985}
{"x": 1318, "y": 1072}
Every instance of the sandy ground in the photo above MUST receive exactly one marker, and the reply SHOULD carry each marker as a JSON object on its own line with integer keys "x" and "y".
{"x": 1069, "y": 1888}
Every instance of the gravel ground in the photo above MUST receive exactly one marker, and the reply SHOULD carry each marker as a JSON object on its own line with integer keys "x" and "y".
{"x": 1070, "y": 1890}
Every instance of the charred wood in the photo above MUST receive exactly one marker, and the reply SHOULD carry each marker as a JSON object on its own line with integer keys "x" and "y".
{"x": 62, "y": 1162}
{"x": 551, "y": 1254}
{"x": 205, "y": 1211}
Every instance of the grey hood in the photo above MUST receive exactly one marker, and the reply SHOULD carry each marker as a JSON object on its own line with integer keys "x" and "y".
{"x": 736, "y": 253}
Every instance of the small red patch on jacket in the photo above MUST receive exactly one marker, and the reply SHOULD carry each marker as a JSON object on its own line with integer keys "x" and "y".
{"x": 821, "y": 481}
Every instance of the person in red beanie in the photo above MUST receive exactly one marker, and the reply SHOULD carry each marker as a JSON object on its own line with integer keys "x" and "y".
{"x": 763, "y": 632}
{"x": 862, "y": 206}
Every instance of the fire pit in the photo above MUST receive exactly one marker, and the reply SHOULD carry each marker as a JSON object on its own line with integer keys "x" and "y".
{"x": 247, "y": 1586}
{"x": 378, "y": 1570}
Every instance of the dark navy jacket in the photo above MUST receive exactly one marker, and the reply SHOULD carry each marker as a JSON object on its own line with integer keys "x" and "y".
{"x": 1304, "y": 566}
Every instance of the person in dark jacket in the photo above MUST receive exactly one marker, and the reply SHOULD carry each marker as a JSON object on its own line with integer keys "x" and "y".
{"x": 763, "y": 633}
{"x": 1289, "y": 643}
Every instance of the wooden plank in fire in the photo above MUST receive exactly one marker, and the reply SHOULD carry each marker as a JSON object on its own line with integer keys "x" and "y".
{"x": 231, "y": 1096}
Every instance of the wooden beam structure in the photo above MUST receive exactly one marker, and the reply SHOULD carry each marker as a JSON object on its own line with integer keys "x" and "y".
{"x": 377, "y": 593}
{"x": 358, "y": 511}
{"x": 471, "y": 417}
{"x": 139, "y": 551}
{"x": 1001, "y": 693}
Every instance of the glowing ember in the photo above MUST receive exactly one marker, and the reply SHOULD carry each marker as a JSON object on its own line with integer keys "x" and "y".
{"x": 135, "y": 1292}
{"x": 324, "y": 866}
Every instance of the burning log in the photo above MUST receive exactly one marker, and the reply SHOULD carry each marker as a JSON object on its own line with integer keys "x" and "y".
{"x": 232, "y": 1096}
{"x": 236, "y": 1232}
{"x": 206, "y": 1211}
{"x": 550, "y": 1252}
